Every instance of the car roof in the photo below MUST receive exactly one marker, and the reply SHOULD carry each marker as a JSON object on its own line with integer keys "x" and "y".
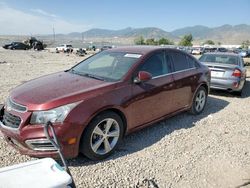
{"x": 139, "y": 49}
{"x": 222, "y": 53}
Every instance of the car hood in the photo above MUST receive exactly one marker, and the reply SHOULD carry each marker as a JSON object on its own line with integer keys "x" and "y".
{"x": 56, "y": 90}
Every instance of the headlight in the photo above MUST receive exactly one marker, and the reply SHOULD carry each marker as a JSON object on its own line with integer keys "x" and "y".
{"x": 54, "y": 115}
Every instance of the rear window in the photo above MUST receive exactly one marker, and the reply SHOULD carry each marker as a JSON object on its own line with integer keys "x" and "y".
{"x": 219, "y": 58}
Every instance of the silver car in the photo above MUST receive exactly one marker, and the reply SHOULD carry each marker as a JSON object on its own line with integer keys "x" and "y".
{"x": 227, "y": 71}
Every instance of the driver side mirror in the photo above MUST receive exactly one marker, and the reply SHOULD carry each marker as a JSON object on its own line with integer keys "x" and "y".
{"x": 143, "y": 76}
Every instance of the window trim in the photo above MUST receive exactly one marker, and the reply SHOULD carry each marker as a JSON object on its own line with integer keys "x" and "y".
{"x": 176, "y": 72}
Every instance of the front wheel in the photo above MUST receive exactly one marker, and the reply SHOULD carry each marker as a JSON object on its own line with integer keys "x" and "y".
{"x": 102, "y": 136}
{"x": 199, "y": 101}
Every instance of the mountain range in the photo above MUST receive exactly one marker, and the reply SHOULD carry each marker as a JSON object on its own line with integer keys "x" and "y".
{"x": 227, "y": 34}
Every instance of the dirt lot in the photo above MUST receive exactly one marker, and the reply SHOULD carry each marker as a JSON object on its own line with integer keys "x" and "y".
{"x": 208, "y": 150}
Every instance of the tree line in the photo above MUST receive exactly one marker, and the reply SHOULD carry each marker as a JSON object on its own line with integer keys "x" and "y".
{"x": 186, "y": 40}
{"x": 151, "y": 41}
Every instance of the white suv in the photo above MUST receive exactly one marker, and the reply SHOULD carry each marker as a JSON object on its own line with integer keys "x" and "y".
{"x": 64, "y": 48}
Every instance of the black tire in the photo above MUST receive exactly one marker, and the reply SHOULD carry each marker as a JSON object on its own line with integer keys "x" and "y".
{"x": 90, "y": 139}
{"x": 238, "y": 93}
{"x": 195, "y": 110}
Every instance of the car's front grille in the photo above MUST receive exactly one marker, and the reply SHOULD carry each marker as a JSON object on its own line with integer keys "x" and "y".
{"x": 14, "y": 106}
{"x": 10, "y": 120}
{"x": 40, "y": 145}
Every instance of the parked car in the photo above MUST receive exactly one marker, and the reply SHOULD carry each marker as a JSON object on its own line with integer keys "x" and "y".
{"x": 215, "y": 49}
{"x": 16, "y": 46}
{"x": 6, "y": 46}
{"x": 101, "y": 99}
{"x": 81, "y": 52}
{"x": 227, "y": 71}
{"x": 65, "y": 48}
{"x": 241, "y": 52}
{"x": 197, "y": 51}
{"x": 91, "y": 48}
{"x": 185, "y": 49}
{"x": 106, "y": 48}
{"x": 220, "y": 49}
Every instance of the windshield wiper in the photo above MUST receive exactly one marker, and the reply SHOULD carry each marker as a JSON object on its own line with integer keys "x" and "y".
{"x": 87, "y": 75}
{"x": 94, "y": 76}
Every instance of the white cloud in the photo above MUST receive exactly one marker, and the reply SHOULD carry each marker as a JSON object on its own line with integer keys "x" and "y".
{"x": 17, "y": 22}
{"x": 44, "y": 13}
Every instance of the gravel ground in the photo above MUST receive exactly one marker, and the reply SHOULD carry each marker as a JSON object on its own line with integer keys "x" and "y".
{"x": 208, "y": 150}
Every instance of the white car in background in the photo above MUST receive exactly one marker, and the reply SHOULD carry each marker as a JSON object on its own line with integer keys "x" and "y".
{"x": 197, "y": 51}
{"x": 64, "y": 48}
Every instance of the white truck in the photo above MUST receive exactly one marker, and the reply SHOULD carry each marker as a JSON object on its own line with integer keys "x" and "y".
{"x": 64, "y": 48}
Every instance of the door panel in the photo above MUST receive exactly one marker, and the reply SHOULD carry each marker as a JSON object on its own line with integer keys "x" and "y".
{"x": 184, "y": 83}
{"x": 186, "y": 78}
{"x": 154, "y": 98}
{"x": 151, "y": 100}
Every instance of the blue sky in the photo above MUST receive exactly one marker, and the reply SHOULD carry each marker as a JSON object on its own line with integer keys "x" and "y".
{"x": 40, "y": 16}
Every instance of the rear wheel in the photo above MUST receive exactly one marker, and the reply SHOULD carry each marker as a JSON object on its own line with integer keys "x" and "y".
{"x": 238, "y": 93}
{"x": 102, "y": 136}
{"x": 199, "y": 101}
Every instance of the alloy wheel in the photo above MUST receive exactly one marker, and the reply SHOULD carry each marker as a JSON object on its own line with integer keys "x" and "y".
{"x": 200, "y": 100}
{"x": 105, "y": 136}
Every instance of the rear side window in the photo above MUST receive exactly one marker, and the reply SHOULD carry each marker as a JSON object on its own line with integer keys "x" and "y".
{"x": 191, "y": 62}
{"x": 180, "y": 61}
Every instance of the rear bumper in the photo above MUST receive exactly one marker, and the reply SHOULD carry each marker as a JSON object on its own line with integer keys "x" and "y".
{"x": 227, "y": 84}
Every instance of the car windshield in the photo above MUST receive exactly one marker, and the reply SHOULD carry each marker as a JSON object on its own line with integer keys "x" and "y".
{"x": 107, "y": 66}
{"x": 219, "y": 58}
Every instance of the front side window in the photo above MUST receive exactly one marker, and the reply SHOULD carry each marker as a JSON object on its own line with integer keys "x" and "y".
{"x": 155, "y": 65}
{"x": 108, "y": 66}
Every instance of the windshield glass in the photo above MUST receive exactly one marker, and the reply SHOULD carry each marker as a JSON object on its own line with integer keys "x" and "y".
{"x": 219, "y": 58}
{"x": 108, "y": 66}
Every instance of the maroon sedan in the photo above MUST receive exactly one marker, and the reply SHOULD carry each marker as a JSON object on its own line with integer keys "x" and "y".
{"x": 101, "y": 99}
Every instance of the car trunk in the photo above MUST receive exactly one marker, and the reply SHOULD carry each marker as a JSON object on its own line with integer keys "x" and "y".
{"x": 219, "y": 70}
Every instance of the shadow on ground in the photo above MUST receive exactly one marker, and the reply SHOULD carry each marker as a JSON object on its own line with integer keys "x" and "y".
{"x": 152, "y": 134}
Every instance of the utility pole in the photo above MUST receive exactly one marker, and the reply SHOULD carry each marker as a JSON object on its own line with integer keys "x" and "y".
{"x": 54, "y": 35}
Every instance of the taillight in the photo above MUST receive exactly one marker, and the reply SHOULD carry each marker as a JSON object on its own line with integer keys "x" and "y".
{"x": 237, "y": 73}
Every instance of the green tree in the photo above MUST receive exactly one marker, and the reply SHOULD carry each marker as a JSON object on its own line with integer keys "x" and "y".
{"x": 165, "y": 41}
{"x": 209, "y": 42}
{"x": 245, "y": 44}
{"x": 186, "y": 40}
{"x": 151, "y": 41}
{"x": 139, "y": 41}
{"x": 219, "y": 43}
